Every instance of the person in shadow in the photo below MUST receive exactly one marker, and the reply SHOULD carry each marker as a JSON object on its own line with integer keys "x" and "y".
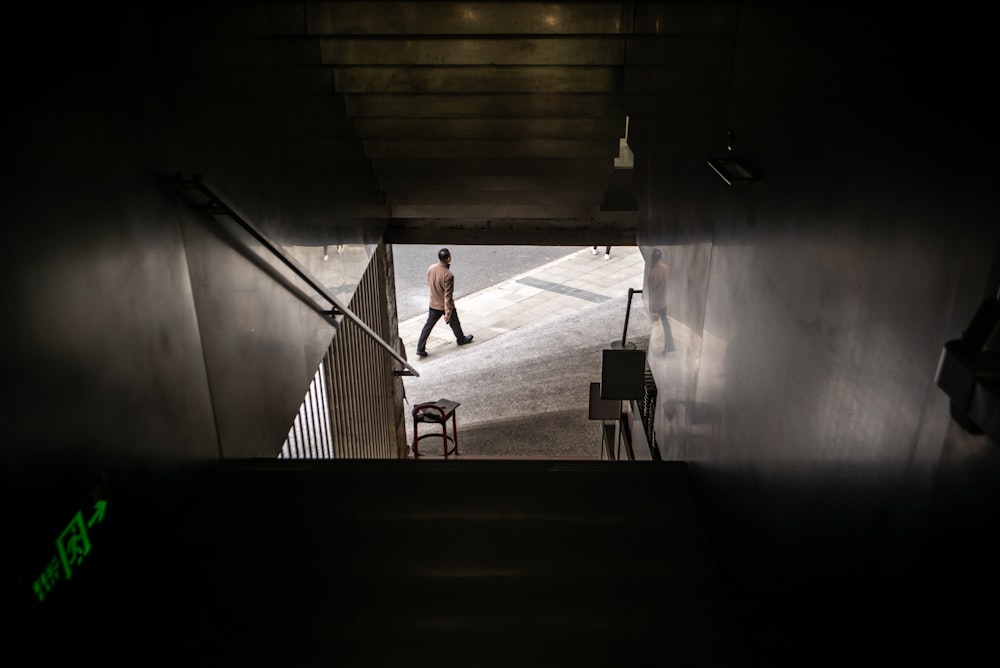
{"x": 658, "y": 275}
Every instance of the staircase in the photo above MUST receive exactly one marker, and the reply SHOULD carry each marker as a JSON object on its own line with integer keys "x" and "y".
{"x": 401, "y": 562}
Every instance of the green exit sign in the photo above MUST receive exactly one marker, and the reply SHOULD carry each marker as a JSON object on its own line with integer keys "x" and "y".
{"x": 72, "y": 545}
{"x": 60, "y": 553}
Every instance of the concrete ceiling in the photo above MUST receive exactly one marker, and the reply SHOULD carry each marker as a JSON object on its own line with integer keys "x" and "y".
{"x": 475, "y": 122}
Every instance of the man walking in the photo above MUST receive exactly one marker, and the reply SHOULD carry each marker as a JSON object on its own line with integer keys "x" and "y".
{"x": 441, "y": 284}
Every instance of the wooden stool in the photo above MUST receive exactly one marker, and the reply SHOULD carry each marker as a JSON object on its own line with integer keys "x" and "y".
{"x": 436, "y": 412}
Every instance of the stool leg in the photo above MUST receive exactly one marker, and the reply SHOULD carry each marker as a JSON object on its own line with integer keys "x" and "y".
{"x": 454, "y": 432}
{"x": 415, "y": 453}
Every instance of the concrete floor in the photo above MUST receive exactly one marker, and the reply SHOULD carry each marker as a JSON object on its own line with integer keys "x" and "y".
{"x": 523, "y": 383}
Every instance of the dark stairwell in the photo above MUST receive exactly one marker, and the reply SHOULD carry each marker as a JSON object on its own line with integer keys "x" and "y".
{"x": 499, "y": 563}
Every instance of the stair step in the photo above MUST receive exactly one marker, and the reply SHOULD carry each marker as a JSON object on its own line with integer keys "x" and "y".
{"x": 473, "y": 563}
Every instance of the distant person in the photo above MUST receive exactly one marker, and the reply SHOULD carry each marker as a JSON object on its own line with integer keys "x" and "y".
{"x": 607, "y": 252}
{"x": 441, "y": 284}
{"x": 658, "y": 297}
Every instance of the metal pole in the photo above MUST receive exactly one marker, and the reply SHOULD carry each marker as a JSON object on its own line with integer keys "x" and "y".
{"x": 628, "y": 310}
{"x": 622, "y": 345}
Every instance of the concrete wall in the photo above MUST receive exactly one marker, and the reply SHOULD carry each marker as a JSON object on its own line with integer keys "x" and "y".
{"x": 812, "y": 305}
{"x": 138, "y": 331}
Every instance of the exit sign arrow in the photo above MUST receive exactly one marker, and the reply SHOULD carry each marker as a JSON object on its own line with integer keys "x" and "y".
{"x": 98, "y": 513}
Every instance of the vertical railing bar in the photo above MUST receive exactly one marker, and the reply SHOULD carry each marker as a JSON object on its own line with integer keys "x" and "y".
{"x": 376, "y": 377}
{"x": 300, "y": 434}
{"x": 327, "y": 390}
{"x": 321, "y": 410}
{"x": 337, "y": 394}
{"x": 376, "y": 386}
{"x": 307, "y": 424}
{"x": 311, "y": 419}
{"x": 365, "y": 443}
{"x": 363, "y": 394}
{"x": 327, "y": 400}
{"x": 297, "y": 437}
{"x": 347, "y": 444}
{"x": 290, "y": 441}
{"x": 378, "y": 400}
{"x": 340, "y": 381}
{"x": 318, "y": 413}
{"x": 373, "y": 400}
{"x": 302, "y": 445}
{"x": 344, "y": 380}
{"x": 360, "y": 403}
{"x": 303, "y": 426}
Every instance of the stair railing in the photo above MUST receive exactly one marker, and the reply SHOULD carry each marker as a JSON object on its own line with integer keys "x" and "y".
{"x": 217, "y": 205}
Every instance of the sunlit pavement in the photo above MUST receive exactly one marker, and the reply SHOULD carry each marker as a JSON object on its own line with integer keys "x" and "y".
{"x": 546, "y": 293}
{"x": 523, "y": 383}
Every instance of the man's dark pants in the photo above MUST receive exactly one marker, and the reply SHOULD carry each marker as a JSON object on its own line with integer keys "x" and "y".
{"x": 433, "y": 315}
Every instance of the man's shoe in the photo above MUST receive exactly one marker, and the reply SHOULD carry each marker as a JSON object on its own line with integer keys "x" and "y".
{"x": 593, "y": 251}
{"x": 467, "y": 339}
{"x": 421, "y": 353}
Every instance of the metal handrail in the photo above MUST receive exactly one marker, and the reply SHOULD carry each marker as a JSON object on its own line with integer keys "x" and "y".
{"x": 218, "y": 205}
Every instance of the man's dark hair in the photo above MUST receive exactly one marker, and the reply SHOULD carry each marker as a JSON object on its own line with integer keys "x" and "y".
{"x": 444, "y": 254}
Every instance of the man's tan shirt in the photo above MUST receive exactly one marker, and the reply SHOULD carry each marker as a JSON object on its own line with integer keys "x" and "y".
{"x": 441, "y": 283}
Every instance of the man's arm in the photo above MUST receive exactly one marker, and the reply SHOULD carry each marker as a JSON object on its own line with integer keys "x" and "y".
{"x": 449, "y": 295}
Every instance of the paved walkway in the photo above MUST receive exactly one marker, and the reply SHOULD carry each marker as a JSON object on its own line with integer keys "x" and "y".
{"x": 524, "y": 382}
{"x": 550, "y": 291}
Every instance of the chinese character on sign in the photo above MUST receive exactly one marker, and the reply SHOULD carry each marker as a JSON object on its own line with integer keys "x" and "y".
{"x": 47, "y": 580}
{"x": 73, "y": 544}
